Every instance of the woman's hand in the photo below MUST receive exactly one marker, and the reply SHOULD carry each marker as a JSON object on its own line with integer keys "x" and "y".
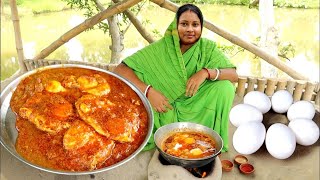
{"x": 195, "y": 81}
{"x": 158, "y": 101}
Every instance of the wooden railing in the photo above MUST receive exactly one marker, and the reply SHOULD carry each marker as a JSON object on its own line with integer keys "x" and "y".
{"x": 300, "y": 89}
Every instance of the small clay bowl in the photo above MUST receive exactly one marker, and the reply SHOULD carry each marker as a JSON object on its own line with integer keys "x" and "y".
{"x": 240, "y": 159}
{"x": 246, "y": 168}
{"x": 226, "y": 165}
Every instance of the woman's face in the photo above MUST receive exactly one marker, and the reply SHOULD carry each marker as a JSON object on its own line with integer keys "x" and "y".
{"x": 189, "y": 28}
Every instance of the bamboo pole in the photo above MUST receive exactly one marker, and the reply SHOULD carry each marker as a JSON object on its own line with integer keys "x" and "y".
{"x": 317, "y": 100}
{"x": 115, "y": 9}
{"x": 114, "y": 32}
{"x": 291, "y": 86}
{"x": 144, "y": 33}
{"x": 251, "y": 83}
{"x": 261, "y": 84}
{"x": 297, "y": 94}
{"x": 241, "y": 89}
{"x": 115, "y": 55}
{"x": 17, "y": 34}
{"x": 275, "y": 61}
{"x": 307, "y": 95}
{"x": 271, "y": 86}
{"x": 137, "y": 24}
{"x": 281, "y": 84}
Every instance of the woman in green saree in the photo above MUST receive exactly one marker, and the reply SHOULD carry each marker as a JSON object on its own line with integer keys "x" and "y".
{"x": 185, "y": 77}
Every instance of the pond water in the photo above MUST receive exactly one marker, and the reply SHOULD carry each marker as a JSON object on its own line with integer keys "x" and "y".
{"x": 298, "y": 27}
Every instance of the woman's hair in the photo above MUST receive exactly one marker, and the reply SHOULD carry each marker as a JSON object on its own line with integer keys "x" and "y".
{"x": 192, "y": 8}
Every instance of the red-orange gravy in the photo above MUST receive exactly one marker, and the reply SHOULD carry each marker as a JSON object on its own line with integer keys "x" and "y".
{"x": 42, "y": 126}
{"x": 189, "y": 145}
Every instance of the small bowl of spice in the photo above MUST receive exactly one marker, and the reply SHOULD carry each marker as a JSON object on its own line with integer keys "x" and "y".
{"x": 240, "y": 159}
{"x": 226, "y": 165}
{"x": 246, "y": 168}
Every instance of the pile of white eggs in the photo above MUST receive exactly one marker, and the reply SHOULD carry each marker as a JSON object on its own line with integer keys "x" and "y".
{"x": 280, "y": 139}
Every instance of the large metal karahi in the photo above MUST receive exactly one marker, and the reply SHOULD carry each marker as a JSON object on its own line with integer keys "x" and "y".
{"x": 8, "y": 120}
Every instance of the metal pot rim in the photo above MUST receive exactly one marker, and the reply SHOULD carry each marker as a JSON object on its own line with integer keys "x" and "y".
{"x": 189, "y": 126}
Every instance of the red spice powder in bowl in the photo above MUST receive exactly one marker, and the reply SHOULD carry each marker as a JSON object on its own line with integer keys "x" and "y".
{"x": 246, "y": 168}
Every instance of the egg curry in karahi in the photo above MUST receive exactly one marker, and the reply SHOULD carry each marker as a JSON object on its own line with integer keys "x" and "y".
{"x": 77, "y": 119}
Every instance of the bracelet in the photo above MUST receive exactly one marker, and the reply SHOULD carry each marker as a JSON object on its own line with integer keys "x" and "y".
{"x": 207, "y": 72}
{"x": 217, "y": 76}
{"x": 147, "y": 90}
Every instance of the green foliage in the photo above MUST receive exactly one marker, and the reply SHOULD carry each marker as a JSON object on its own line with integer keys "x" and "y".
{"x": 297, "y": 3}
{"x": 40, "y": 6}
{"x": 184, "y": 1}
{"x": 232, "y": 2}
{"x": 277, "y": 3}
{"x": 19, "y": 2}
{"x": 91, "y": 9}
{"x": 230, "y": 50}
{"x": 286, "y": 50}
{"x": 156, "y": 33}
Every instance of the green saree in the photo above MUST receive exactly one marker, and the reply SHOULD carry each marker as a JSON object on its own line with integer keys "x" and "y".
{"x": 162, "y": 65}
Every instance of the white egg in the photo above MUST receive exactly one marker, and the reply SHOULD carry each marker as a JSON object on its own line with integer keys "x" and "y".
{"x": 259, "y": 100}
{"x": 280, "y": 141}
{"x": 249, "y": 137}
{"x": 305, "y": 130}
{"x": 281, "y": 101}
{"x": 242, "y": 113}
{"x": 301, "y": 110}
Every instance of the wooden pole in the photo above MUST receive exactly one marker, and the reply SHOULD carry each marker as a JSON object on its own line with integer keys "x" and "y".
{"x": 241, "y": 89}
{"x": 144, "y": 33}
{"x": 275, "y": 61}
{"x": 261, "y": 84}
{"x": 117, "y": 8}
{"x": 17, "y": 34}
{"x": 19, "y": 46}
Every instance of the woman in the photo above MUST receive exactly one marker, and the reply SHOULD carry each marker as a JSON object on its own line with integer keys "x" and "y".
{"x": 185, "y": 77}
